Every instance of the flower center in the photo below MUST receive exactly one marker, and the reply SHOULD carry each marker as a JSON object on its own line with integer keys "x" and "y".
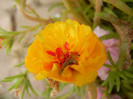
{"x": 68, "y": 62}
{"x": 65, "y": 58}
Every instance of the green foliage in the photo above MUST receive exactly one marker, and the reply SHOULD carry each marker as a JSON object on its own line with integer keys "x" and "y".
{"x": 114, "y": 79}
{"x": 88, "y": 11}
{"x": 119, "y": 79}
{"x": 121, "y": 6}
{"x": 9, "y": 37}
{"x": 62, "y": 85}
{"x": 19, "y": 64}
{"x": 110, "y": 58}
{"x": 47, "y": 93}
{"x": 109, "y": 11}
{"x": 77, "y": 12}
{"x": 55, "y": 5}
{"x": 82, "y": 91}
{"x": 68, "y": 94}
{"x": 122, "y": 54}
{"x": 116, "y": 75}
{"x": 21, "y": 81}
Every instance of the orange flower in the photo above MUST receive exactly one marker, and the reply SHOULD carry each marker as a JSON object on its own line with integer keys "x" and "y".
{"x": 66, "y": 52}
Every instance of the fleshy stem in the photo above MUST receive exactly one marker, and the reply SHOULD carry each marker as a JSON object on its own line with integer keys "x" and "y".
{"x": 92, "y": 90}
{"x": 30, "y": 29}
{"x": 37, "y": 19}
{"x": 31, "y": 9}
{"x": 27, "y": 30}
{"x": 97, "y": 10}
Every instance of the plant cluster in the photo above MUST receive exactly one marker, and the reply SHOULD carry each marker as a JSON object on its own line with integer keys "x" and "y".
{"x": 115, "y": 16}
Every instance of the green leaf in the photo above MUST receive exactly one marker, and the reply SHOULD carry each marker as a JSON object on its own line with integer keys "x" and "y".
{"x": 55, "y": 5}
{"x": 62, "y": 85}
{"x": 27, "y": 90}
{"x": 87, "y": 9}
{"x": 23, "y": 89}
{"x": 9, "y": 33}
{"x": 77, "y": 90}
{"x": 120, "y": 5}
{"x": 19, "y": 64}
{"x": 19, "y": 82}
{"x": 16, "y": 76}
{"x": 4, "y": 36}
{"x": 8, "y": 48}
{"x": 31, "y": 88}
{"x": 110, "y": 58}
{"x": 117, "y": 82}
{"x": 128, "y": 74}
{"x": 109, "y": 11}
{"x": 65, "y": 96}
{"x": 121, "y": 75}
{"x": 122, "y": 54}
{"x": 109, "y": 36}
{"x": 3, "y": 30}
{"x": 107, "y": 65}
{"x": 82, "y": 90}
{"x": 16, "y": 84}
{"x": 21, "y": 37}
{"x": 105, "y": 82}
{"x": 14, "y": 32}
{"x": 7, "y": 80}
{"x": 12, "y": 87}
{"x": 72, "y": 90}
{"x": 111, "y": 81}
{"x": 47, "y": 93}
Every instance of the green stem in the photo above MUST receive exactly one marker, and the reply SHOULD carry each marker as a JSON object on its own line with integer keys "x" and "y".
{"x": 77, "y": 15}
{"x": 92, "y": 90}
{"x": 30, "y": 17}
{"x": 120, "y": 5}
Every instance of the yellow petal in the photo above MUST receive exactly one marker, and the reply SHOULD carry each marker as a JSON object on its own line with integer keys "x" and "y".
{"x": 41, "y": 75}
{"x": 67, "y": 73}
{"x": 87, "y": 77}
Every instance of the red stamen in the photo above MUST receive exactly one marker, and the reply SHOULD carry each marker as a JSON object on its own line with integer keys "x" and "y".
{"x": 51, "y": 53}
{"x": 59, "y": 54}
{"x": 66, "y": 46}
